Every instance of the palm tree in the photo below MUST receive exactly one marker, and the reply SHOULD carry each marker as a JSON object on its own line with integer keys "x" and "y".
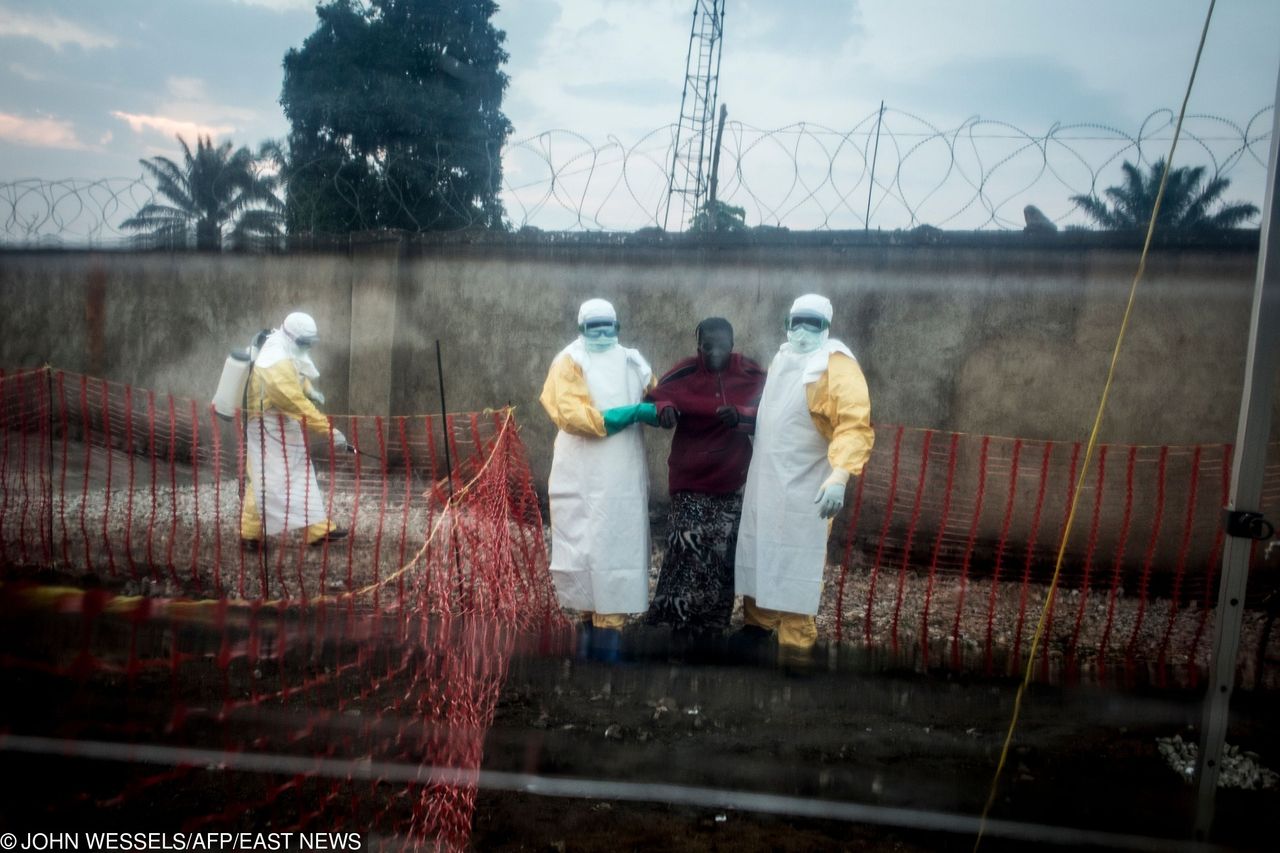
{"x": 1188, "y": 205}
{"x": 215, "y": 188}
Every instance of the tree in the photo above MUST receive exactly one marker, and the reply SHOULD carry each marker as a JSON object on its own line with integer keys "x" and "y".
{"x": 213, "y": 190}
{"x": 1189, "y": 204}
{"x": 719, "y": 217}
{"x": 395, "y": 115}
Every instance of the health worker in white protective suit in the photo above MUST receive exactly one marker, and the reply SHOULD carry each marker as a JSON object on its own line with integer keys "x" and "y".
{"x": 599, "y": 484}
{"x": 280, "y": 399}
{"x": 813, "y": 432}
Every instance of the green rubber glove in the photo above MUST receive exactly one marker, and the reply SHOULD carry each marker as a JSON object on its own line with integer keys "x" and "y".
{"x": 618, "y": 418}
{"x": 647, "y": 413}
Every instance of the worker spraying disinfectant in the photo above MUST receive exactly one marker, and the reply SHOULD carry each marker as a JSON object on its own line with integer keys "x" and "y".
{"x": 279, "y": 397}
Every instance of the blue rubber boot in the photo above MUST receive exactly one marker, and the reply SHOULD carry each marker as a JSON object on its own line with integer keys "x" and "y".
{"x": 606, "y": 644}
{"x": 582, "y": 646}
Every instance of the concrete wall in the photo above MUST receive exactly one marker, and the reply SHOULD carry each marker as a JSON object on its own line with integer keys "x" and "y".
{"x": 996, "y": 339}
{"x": 166, "y": 321}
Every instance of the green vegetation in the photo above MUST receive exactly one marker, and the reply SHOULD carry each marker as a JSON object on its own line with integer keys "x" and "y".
{"x": 1189, "y": 204}
{"x": 395, "y": 115}
{"x": 719, "y": 217}
{"x": 214, "y": 189}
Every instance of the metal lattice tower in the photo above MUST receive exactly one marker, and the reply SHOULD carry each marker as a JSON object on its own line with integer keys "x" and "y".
{"x": 691, "y": 152}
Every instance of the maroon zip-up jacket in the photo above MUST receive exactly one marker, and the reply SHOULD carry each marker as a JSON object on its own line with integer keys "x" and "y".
{"x": 707, "y": 456}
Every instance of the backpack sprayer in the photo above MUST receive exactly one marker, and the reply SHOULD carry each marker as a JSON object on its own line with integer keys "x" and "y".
{"x": 233, "y": 387}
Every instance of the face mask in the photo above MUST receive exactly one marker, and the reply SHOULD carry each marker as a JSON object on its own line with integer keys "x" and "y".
{"x": 600, "y": 337}
{"x": 804, "y": 340}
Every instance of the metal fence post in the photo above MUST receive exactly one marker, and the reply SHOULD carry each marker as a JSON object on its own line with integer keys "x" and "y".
{"x": 1246, "y": 493}
{"x": 875, "y": 154}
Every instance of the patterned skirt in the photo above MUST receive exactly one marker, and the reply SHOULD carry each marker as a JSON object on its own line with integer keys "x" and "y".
{"x": 695, "y": 586}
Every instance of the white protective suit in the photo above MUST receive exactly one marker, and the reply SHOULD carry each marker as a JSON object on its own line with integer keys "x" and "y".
{"x": 782, "y": 541}
{"x": 599, "y": 491}
{"x": 276, "y": 451}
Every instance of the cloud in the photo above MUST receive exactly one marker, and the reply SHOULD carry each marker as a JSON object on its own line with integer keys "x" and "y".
{"x": 51, "y": 30}
{"x": 596, "y": 28}
{"x": 40, "y": 132}
{"x": 157, "y": 151}
{"x": 1026, "y": 90}
{"x": 172, "y": 126}
{"x": 186, "y": 88}
{"x": 654, "y": 91}
{"x": 821, "y": 26}
{"x": 189, "y": 101}
{"x": 280, "y": 5}
{"x": 28, "y": 74}
{"x": 527, "y": 24}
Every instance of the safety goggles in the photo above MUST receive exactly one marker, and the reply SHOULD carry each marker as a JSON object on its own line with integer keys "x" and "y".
{"x": 808, "y": 322}
{"x": 597, "y": 329}
{"x": 306, "y": 341}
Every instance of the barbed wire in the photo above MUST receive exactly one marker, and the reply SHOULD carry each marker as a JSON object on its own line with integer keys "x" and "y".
{"x": 39, "y": 213}
{"x": 977, "y": 175}
{"x": 891, "y": 170}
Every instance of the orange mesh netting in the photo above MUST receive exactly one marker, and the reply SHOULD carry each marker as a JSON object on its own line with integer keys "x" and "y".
{"x": 350, "y": 683}
{"x": 131, "y": 610}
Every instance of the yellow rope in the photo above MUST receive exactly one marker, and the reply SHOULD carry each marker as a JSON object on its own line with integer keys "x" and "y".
{"x": 1093, "y": 438}
{"x": 449, "y": 505}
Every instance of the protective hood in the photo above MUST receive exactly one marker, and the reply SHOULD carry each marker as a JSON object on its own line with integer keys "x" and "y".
{"x": 812, "y": 304}
{"x": 582, "y": 357}
{"x": 282, "y": 344}
{"x": 816, "y": 361}
{"x": 596, "y": 309}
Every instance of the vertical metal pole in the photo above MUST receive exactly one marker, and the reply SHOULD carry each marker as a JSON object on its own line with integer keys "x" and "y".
{"x": 675, "y": 148}
{"x": 866, "y": 221}
{"x": 1246, "y": 491}
{"x": 48, "y": 375}
{"x": 715, "y": 171}
{"x": 718, "y": 35}
{"x": 444, "y": 419}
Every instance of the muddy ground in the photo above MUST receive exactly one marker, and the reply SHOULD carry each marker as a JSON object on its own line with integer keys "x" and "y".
{"x": 850, "y": 730}
{"x": 1083, "y": 757}
{"x": 859, "y": 728}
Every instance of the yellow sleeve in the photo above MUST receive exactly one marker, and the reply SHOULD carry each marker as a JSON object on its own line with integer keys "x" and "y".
{"x": 840, "y": 406}
{"x": 567, "y": 400}
{"x": 282, "y": 389}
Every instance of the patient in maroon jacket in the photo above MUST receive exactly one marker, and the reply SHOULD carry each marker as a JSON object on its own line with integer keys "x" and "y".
{"x": 711, "y": 401}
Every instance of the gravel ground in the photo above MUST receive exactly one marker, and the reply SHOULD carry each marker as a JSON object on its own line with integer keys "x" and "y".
{"x": 160, "y": 550}
{"x": 164, "y": 552}
{"x": 1144, "y": 629}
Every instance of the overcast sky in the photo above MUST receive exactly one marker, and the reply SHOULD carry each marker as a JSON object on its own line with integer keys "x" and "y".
{"x": 89, "y": 87}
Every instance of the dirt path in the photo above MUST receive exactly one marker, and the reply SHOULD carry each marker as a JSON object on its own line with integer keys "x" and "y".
{"x": 1084, "y": 757}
